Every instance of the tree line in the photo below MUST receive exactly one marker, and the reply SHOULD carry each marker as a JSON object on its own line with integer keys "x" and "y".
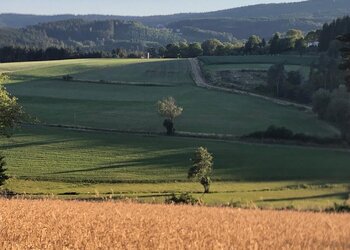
{"x": 18, "y": 54}
{"x": 293, "y": 41}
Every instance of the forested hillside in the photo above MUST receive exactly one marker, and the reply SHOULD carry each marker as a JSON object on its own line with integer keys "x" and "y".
{"x": 102, "y": 35}
{"x": 242, "y": 29}
{"x": 312, "y": 9}
{"x": 98, "y": 32}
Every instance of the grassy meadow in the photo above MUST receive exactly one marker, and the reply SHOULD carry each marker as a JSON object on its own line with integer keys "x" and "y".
{"x": 215, "y": 64}
{"x": 76, "y": 164}
{"x": 128, "y": 107}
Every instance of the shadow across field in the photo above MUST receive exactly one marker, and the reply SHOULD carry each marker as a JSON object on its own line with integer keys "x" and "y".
{"x": 341, "y": 195}
{"x": 16, "y": 145}
{"x": 162, "y": 161}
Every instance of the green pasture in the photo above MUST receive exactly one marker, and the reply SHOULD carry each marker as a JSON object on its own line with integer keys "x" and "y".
{"x": 214, "y": 64}
{"x": 63, "y": 155}
{"x": 54, "y": 161}
{"x": 213, "y": 68}
{"x": 128, "y": 107}
{"x": 260, "y": 59}
{"x": 72, "y": 164}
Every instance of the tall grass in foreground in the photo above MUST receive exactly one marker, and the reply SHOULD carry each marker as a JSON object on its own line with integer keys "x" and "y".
{"x": 27, "y": 224}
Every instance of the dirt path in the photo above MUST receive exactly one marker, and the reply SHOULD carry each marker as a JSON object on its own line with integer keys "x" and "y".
{"x": 200, "y": 81}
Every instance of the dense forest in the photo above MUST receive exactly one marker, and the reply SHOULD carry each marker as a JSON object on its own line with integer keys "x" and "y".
{"x": 233, "y": 28}
{"x": 94, "y": 35}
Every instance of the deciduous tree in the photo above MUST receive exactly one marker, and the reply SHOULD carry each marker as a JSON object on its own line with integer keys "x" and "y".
{"x": 11, "y": 113}
{"x": 202, "y": 167}
{"x": 3, "y": 176}
{"x": 168, "y": 108}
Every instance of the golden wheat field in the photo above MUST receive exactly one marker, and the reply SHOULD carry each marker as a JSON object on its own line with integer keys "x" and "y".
{"x": 51, "y": 224}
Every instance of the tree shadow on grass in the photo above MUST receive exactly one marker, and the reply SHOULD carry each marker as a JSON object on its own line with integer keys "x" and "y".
{"x": 341, "y": 195}
{"x": 30, "y": 144}
{"x": 162, "y": 161}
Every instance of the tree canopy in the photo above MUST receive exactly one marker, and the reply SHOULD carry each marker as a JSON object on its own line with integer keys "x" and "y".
{"x": 168, "y": 109}
{"x": 11, "y": 113}
{"x": 202, "y": 167}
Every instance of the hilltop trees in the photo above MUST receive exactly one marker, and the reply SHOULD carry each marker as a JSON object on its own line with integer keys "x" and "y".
{"x": 167, "y": 108}
{"x": 253, "y": 43}
{"x": 293, "y": 40}
{"x": 202, "y": 167}
{"x": 11, "y": 112}
{"x": 209, "y": 47}
{"x": 332, "y": 30}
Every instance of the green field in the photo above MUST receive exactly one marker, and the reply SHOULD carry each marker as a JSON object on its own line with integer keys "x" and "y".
{"x": 133, "y": 107}
{"x": 55, "y": 161}
{"x": 260, "y": 59}
{"x": 45, "y": 161}
{"x": 215, "y": 64}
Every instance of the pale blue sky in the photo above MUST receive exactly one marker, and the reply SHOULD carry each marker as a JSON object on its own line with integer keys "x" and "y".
{"x": 122, "y": 7}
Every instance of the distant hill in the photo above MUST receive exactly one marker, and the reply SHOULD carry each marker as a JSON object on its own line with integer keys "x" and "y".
{"x": 102, "y": 35}
{"x": 325, "y": 10}
{"x": 104, "y": 32}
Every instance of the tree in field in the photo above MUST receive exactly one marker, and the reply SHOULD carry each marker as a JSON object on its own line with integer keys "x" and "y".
{"x": 338, "y": 111}
{"x": 167, "y": 108}
{"x": 202, "y": 167}
{"x": 276, "y": 78}
{"x": 3, "y": 176}
{"x": 11, "y": 113}
{"x": 320, "y": 102}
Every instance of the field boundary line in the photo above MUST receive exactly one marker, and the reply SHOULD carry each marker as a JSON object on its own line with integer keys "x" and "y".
{"x": 184, "y": 134}
{"x": 123, "y": 83}
{"x": 200, "y": 81}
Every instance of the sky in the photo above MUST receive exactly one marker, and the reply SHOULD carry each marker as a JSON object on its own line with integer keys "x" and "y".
{"x": 123, "y": 7}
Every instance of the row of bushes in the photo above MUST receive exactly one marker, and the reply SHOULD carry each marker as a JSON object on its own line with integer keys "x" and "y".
{"x": 282, "y": 133}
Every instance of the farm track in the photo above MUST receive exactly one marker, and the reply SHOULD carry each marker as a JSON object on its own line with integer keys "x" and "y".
{"x": 200, "y": 81}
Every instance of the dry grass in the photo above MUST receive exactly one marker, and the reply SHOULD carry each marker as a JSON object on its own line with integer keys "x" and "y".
{"x": 84, "y": 225}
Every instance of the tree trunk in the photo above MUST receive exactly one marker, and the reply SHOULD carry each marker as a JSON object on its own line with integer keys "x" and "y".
{"x": 206, "y": 189}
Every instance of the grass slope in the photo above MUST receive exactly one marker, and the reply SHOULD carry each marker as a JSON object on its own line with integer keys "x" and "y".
{"x": 54, "y": 161}
{"x": 44, "y": 161}
{"x": 133, "y": 107}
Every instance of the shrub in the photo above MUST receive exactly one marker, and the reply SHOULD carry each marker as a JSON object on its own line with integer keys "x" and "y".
{"x": 67, "y": 78}
{"x": 282, "y": 133}
{"x": 339, "y": 208}
{"x": 183, "y": 198}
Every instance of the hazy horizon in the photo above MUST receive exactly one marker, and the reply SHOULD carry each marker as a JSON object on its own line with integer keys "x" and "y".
{"x": 129, "y": 8}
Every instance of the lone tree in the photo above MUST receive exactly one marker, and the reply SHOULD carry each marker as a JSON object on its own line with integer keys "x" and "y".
{"x": 202, "y": 167}
{"x": 11, "y": 113}
{"x": 167, "y": 108}
{"x": 3, "y": 176}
